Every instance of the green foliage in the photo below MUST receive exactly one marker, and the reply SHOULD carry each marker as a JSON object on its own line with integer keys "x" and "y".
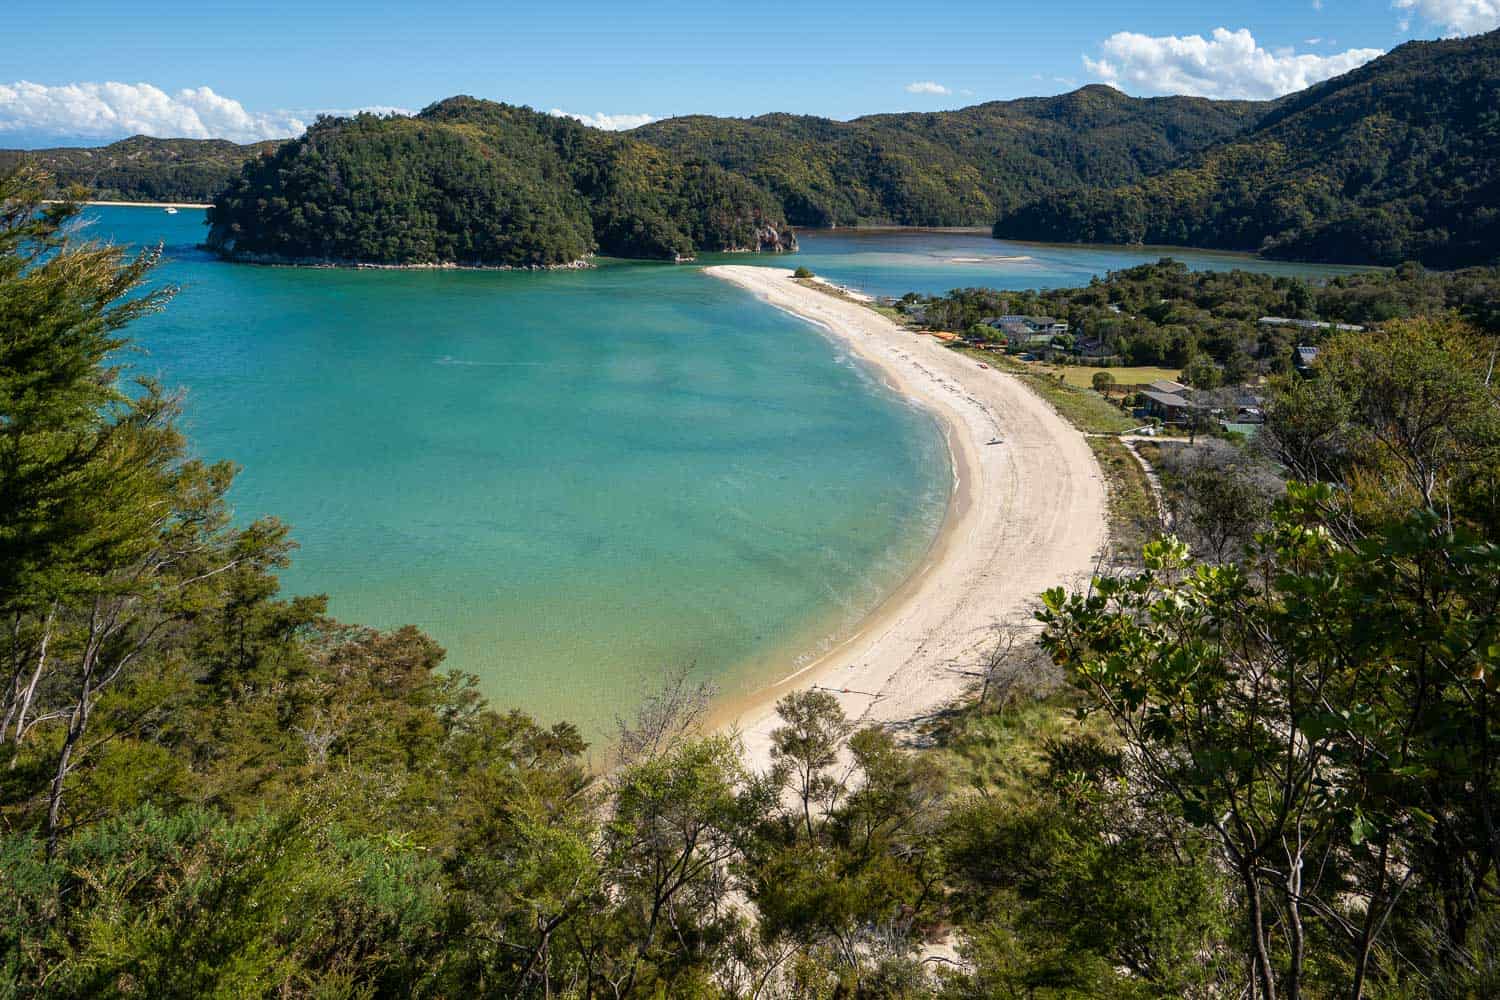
{"x": 951, "y": 168}
{"x": 142, "y": 168}
{"x": 1391, "y": 162}
{"x": 1280, "y": 760}
{"x": 1331, "y": 696}
{"x": 191, "y": 904}
{"x": 475, "y": 182}
{"x": 1162, "y": 313}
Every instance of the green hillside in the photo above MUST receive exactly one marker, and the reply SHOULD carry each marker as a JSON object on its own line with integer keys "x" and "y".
{"x": 953, "y": 167}
{"x": 142, "y": 168}
{"x": 1397, "y": 160}
{"x": 476, "y": 182}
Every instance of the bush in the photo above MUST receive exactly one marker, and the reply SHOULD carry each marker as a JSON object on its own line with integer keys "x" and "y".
{"x": 802, "y": 272}
{"x": 1103, "y": 381}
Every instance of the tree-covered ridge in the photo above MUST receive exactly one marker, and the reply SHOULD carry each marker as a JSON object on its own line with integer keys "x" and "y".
{"x": 1165, "y": 314}
{"x": 952, "y": 168}
{"x": 143, "y": 168}
{"x": 1267, "y": 769}
{"x": 1397, "y": 160}
{"x": 476, "y": 182}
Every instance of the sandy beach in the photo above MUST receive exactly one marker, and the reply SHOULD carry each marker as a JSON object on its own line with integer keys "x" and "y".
{"x": 147, "y": 204}
{"x": 1028, "y": 513}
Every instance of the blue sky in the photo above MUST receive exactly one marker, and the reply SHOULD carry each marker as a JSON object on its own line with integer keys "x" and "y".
{"x": 227, "y": 69}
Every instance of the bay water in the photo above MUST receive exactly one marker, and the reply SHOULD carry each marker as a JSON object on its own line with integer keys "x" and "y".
{"x": 578, "y": 482}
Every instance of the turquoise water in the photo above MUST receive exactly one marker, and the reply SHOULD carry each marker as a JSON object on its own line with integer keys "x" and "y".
{"x": 576, "y": 481}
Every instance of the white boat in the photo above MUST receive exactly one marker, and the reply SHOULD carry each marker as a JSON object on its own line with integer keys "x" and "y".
{"x": 171, "y": 210}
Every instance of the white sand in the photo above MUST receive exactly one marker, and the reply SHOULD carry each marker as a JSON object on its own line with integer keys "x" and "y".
{"x": 146, "y": 204}
{"x": 1027, "y": 514}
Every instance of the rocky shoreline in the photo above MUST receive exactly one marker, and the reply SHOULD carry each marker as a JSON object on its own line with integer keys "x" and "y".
{"x": 277, "y": 260}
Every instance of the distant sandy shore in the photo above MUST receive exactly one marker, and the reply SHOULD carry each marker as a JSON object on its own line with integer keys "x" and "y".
{"x": 1027, "y": 513}
{"x": 145, "y": 204}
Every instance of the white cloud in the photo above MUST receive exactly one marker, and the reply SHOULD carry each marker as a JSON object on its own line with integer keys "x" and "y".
{"x": 1457, "y": 17}
{"x": 1229, "y": 64}
{"x": 105, "y": 111}
{"x": 610, "y": 123}
{"x": 927, "y": 87}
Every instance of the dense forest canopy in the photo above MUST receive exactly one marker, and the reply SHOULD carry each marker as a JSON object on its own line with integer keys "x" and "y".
{"x": 142, "y": 168}
{"x": 1397, "y": 160}
{"x": 953, "y": 168}
{"x": 1393, "y": 161}
{"x": 476, "y": 182}
{"x": 1165, "y": 314}
{"x": 1265, "y": 769}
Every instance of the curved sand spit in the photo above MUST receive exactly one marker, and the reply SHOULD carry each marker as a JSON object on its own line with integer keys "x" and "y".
{"x": 1027, "y": 514}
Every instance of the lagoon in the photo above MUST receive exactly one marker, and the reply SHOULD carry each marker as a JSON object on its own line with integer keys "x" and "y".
{"x": 576, "y": 481}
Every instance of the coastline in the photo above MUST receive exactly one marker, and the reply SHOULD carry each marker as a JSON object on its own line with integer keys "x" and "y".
{"x": 276, "y": 260}
{"x": 138, "y": 204}
{"x": 1026, "y": 514}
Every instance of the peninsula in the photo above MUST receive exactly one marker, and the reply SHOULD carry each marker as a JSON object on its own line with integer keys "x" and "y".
{"x": 479, "y": 183}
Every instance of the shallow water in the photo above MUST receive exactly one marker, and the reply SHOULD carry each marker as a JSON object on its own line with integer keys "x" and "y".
{"x": 894, "y": 262}
{"x": 576, "y": 481}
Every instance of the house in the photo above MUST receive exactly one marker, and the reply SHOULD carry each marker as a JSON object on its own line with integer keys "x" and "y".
{"x": 1167, "y": 401}
{"x": 1248, "y": 409}
{"x": 1308, "y": 324}
{"x": 1092, "y": 347}
{"x": 1167, "y": 387}
{"x": 1021, "y": 326}
{"x": 1304, "y": 357}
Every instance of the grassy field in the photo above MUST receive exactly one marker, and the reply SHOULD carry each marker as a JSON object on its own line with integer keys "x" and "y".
{"x": 1083, "y": 375}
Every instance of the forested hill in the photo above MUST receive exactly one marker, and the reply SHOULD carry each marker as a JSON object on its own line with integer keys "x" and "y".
{"x": 476, "y": 182}
{"x": 1397, "y": 160}
{"x": 142, "y": 168}
{"x": 954, "y": 167}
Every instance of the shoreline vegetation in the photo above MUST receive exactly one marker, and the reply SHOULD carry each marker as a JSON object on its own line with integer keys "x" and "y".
{"x": 1388, "y": 163}
{"x": 133, "y": 204}
{"x": 488, "y": 183}
{"x": 277, "y": 260}
{"x": 1263, "y": 770}
{"x": 1015, "y": 525}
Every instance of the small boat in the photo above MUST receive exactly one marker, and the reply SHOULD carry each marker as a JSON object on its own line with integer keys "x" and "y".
{"x": 994, "y": 441}
{"x": 171, "y": 210}
{"x": 983, "y": 365}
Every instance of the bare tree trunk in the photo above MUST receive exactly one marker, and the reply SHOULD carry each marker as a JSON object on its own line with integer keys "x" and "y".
{"x": 1367, "y": 932}
{"x": 77, "y": 722}
{"x": 1260, "y": 954}
{"x": 36, "y": 676}
{"x": 1294, "y": 922}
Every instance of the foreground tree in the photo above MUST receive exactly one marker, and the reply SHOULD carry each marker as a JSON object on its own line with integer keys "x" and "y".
{"x": 1325, "y": 713}
{"x": 112, "y": 535}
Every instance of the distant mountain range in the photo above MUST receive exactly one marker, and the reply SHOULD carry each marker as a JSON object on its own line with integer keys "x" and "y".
{"x": 954, "y": 168}
{"x": 145, "y": 169}
{"x": 1397, "y": 160}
